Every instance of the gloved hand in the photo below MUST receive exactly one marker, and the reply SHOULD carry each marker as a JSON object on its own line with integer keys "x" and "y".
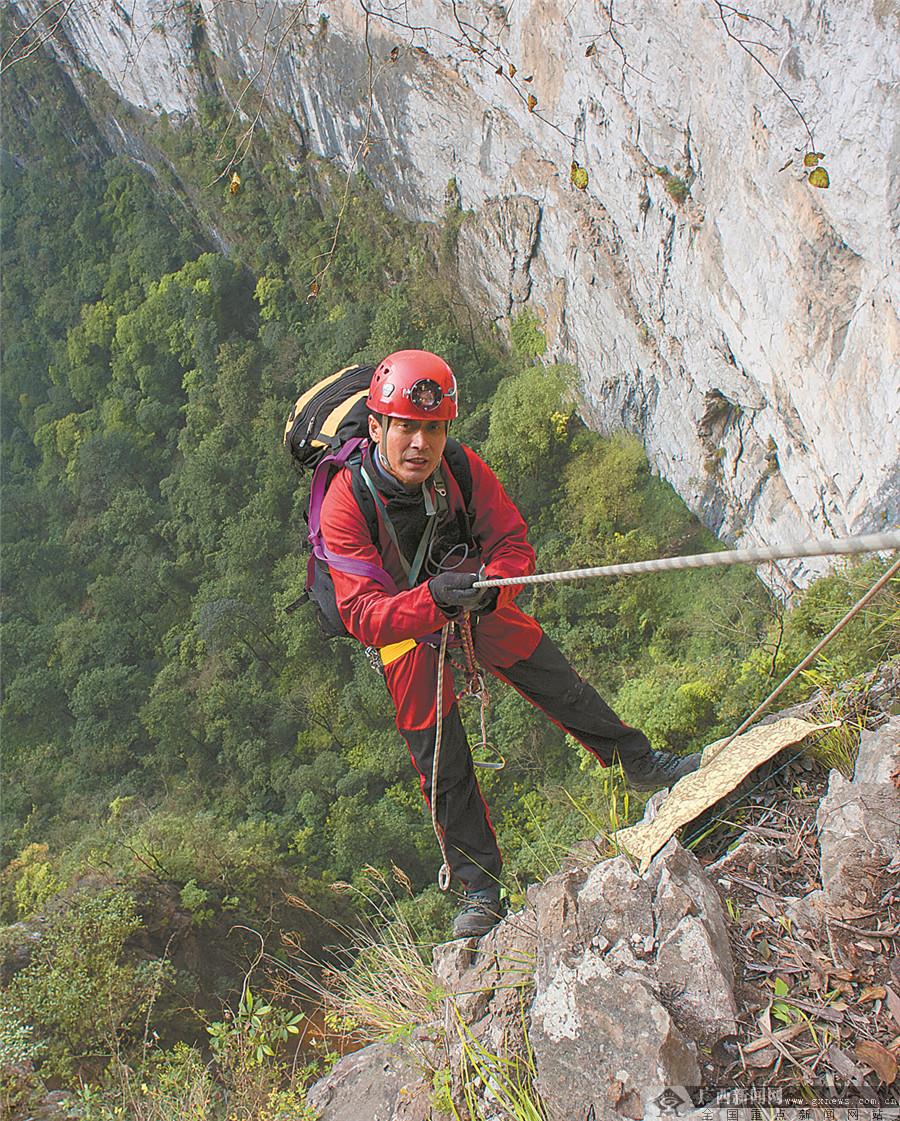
{"x": 453, "y": 592}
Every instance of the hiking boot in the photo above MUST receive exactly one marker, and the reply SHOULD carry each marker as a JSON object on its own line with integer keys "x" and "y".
{"x": 659, "y": 768}
{"x": 481, "y": 911}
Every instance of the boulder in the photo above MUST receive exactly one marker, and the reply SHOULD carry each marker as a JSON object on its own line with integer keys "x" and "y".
{"x": 859, "y": 821}
{"x": 693, "y": 959}
{"x": 490, "y": 983}
{"x": 630, "y": 971}
{"x": 373, "y": 1084}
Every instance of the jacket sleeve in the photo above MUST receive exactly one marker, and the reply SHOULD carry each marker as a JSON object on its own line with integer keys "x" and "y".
{"x": 369, "y": 613}
{"x": 499, "y": 529}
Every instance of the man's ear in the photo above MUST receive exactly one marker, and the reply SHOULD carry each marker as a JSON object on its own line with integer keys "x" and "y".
{"x": 374, "y": 429}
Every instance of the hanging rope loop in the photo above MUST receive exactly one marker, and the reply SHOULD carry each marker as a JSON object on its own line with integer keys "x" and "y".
{"x": 476, "y": 687}
{"x": 444, "y": 873}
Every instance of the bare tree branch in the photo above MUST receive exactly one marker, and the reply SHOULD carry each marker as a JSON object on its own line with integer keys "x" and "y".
{"x": 725, "y": 11}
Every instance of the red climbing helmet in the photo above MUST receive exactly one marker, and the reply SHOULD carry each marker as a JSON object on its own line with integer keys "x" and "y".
{"x": 414, "y": 384}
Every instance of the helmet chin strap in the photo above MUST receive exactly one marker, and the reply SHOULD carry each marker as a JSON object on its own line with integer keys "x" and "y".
{"x": 382, "y": 449}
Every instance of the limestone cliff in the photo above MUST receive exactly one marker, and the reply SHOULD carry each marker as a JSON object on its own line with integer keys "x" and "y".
{"x": 742, "y": 322}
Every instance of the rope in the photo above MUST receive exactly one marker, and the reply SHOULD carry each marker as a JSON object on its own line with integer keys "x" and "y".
{"x": 477, "y": 687}
{"x": 846, "y": 546}
{"x": 444, "y": 873}
{"x": 816, "y": 650}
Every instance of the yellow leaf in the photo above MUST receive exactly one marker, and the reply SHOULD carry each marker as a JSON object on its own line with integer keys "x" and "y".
{"x": 578, "y": 176}
{"x": 818, "y": 177}
{"x": 512, "y": 71}
{"x": 532, "y": 103}
{"x": 235, "y": 185}
{"x": 810, "y": 159}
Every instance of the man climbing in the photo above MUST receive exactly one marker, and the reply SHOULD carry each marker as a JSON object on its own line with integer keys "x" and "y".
{"x": 433, "y": 543}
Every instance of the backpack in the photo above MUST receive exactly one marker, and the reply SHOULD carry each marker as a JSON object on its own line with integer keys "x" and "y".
{"x": 326, "y": 431}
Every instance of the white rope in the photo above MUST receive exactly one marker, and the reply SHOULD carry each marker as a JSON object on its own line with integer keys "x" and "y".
{"x": 845, "y": 546}
{"x": 444, "y": 873}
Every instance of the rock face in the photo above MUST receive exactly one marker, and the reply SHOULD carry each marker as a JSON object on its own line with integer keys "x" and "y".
{"x": 631, "y": 974}
{"x": 617, "y": 978}
{"x": 743, "y": 323}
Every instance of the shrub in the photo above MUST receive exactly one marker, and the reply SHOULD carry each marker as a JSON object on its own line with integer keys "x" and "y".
{"x": 527, "y": 338}
{"x": 33, "y": 880}
{"x": 77, "y": 991}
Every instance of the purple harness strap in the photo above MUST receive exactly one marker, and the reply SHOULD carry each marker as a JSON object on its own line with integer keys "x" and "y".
{"x": 325, "y": 468}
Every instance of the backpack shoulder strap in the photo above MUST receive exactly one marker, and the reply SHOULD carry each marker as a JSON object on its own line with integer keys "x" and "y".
{"x": 456, "y": 459}
{"x": 458, "y": 462}
{"x": 363, "y": 496}
{"x": 323, "y": 475}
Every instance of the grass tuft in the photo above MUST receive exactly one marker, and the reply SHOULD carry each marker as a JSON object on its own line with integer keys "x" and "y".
{"x": 379, "y": 983}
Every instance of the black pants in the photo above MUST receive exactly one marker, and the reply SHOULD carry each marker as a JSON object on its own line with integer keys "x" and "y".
{"x": 547, "y": 680}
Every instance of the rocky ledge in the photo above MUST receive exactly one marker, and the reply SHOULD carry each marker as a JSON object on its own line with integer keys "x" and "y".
{"x": 610, "y": 992}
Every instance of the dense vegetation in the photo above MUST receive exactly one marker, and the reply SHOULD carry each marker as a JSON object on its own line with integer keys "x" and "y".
{"x": 174, "y": 740}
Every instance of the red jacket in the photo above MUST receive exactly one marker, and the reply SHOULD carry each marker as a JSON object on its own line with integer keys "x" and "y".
{"x": 379, "y": 619}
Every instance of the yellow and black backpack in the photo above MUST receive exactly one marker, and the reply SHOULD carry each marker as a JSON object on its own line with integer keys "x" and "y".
{"x": 326, "y": 431}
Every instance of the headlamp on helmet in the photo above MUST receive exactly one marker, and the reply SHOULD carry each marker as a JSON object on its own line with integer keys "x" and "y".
{"x": 414, "y": 384}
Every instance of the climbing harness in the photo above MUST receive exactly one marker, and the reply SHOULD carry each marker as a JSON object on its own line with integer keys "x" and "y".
{"x": 845, "y": 546}
{"x": 476, "y": 684}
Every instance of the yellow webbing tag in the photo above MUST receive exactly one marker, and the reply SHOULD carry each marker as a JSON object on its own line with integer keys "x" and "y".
{"x": 396, "y": 650}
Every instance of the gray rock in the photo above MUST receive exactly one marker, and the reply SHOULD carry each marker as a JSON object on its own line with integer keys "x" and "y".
{"x": 598, "y": 1034}
{"x": 693, "y": 962}
{"x": 601, "y": 1035}
{"x": 616, "y": 903}
{"x": 373, "y": 1084}
{"x": 879, "y": 754}
{"x": 20, "y": 940}
{"x": 489, "y": 982}
{"x": 859, "y": 821}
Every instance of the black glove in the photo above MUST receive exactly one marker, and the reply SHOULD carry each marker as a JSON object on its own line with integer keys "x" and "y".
{"x": 453, "y": 592}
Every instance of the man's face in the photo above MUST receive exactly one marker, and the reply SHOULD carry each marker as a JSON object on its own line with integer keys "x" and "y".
{"x": 411, "y": 449}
